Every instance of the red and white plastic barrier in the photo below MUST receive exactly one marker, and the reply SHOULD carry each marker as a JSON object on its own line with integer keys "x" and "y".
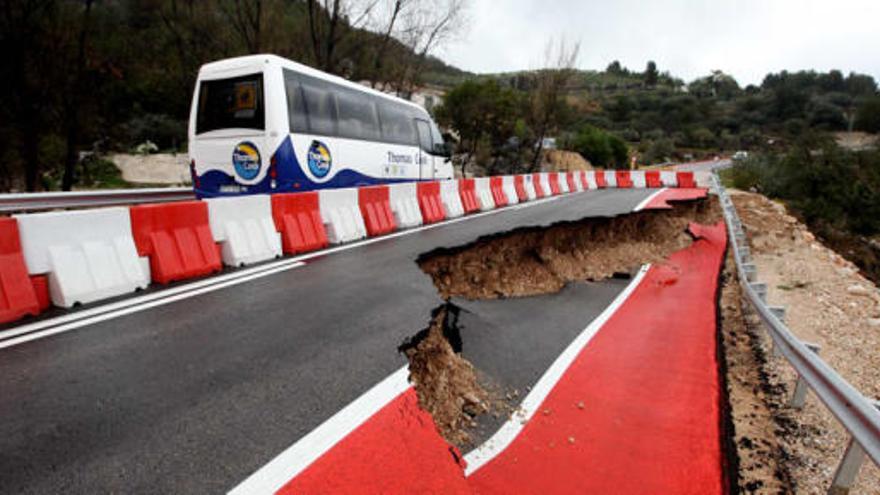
{"x": 430, "y": 202}
{"x": 405, "y": 205}
{"x": 668, "y": 178}
{"x": 88, "y": 254}
{"x": 244, "y": 228}
{"x": 177, "y": 239}
{"x": 298, "y": 219}
{"x": 508, "y": 187}
{"x": 638, "y": 178}
{"x": 375, "y": 206}
{"x": 18, "y": 296}
{"x": 482, "y": 186}
{"x": 451, "y": 198}
{"x": 341, "y": 215}
{"x": 562, "y": 181}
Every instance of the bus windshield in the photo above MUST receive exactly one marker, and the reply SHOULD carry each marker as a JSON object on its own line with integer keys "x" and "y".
{"x": 235, "y": 103}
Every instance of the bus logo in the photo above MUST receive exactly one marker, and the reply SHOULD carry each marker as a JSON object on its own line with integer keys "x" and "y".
{"x": 246, "y": 159}
{"x": 319, "y": 159}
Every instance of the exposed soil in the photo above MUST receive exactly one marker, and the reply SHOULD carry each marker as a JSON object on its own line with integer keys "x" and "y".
{"x": 523, "y": 263}
{"x": 527, "y": 262}
{"x": 829, "y": 303}
{"x": 760, "y": 459}
{"x": 446, "y": 383}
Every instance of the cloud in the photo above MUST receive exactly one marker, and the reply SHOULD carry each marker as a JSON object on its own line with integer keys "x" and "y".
{"x": 689, "y": 38}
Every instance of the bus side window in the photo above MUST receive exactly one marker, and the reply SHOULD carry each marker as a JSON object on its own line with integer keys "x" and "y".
{"x": 397, "y": 125}
{"x": 357, "y": 115}
{"x": 320, "y": 107}
{"x": 296, "y": 110}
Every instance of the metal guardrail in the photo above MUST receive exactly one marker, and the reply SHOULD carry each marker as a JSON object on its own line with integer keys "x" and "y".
{"x": 23, "y": 202}
{"x": 858, "y": 414}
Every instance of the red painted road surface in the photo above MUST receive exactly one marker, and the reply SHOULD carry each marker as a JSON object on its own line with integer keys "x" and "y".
{"x": 650, "y": 423}
{"x": 661, "y": 200}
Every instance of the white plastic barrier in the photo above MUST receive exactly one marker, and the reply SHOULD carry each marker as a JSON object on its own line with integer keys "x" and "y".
{"x": 341, "y": 215}
{"x": 591, "y": 179}
{"x": 578, "y": 185}
{"x": 88, "y": 254}
{"x": 668, "y": 178}
{"x": 244, "y": 228}
{"x": 703, "y": 178}
{"x": 638, "y": 178}
{"x": 562, "y": 178}
{"x": 507, "y": 183}
{"x": 451, "y": 199}
{"x": 405, "y": 204}
{"x": 484, "y": 193}
{"x": 529, "y": 185}
{"x": 610, "y": 178}
{"x": 545, "y": 184}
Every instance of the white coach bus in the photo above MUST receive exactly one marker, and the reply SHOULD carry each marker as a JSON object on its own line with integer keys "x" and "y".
{"x": 264, "y": 124}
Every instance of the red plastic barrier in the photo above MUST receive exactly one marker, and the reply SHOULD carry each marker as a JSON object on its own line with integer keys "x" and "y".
{"x": 686, "y": 179}
{"x": 429, "y": 202}
{"x": 553, "y": 179}
{"x": 297, "y": 217}
{"x": 600, "y": 179}
{"x": 177, "y": 238}
{"x": 496, "y": 185}
{"x": 572, "y": 185}
{"x": 624, "y": 180}
{"x": 583, "y": 178}
{"x": 376, "y": 210}
{"x": 467, "y": 191}
{"x": 652, "y": 179}
{"x": 17, "y": 295}
{"x": 519, "y": 183}
{"x": 539, "y": 189}
{"x": 41, "y": 288}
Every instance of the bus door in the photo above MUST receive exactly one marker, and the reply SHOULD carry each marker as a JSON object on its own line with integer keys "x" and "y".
{"x": 426, "y": 145}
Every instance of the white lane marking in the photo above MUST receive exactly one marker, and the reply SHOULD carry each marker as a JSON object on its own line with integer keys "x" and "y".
{"x": 147, "y": 298}
{"x": 134, "y": 309}
{"x": 509, "y": 430}
{"x": 644, "y": 203}
{"x": 290, "y": 463}
{"x": 39, "y": 325}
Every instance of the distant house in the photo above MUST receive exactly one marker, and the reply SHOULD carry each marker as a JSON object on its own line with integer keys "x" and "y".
{"x": 427, "y": 96}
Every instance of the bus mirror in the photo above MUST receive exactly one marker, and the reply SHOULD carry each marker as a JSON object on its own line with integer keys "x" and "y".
{"x": 443, "y": 149}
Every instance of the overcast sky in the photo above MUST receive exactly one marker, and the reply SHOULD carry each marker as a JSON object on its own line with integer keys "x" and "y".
{"x": 689, "y": 38}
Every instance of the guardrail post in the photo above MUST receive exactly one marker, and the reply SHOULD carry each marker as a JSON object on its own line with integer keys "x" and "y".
{"x": 760, "y": 288}
{"x": 800, "y": 389}
{"x": 779, "y": 313}
{"x": 848, "y": 469}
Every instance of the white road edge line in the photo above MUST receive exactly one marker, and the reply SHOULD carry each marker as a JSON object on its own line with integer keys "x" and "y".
{"x": 134, "y": 309}
{"x": 646, "y": 201}
{"x": 478, "y": 457}
{"x": 295, "y": 459}
{"x": 222, "y": 278}
{"x": 290, "y": 463}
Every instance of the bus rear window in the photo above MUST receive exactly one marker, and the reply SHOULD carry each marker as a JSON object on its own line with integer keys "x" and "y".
{"x": 235, "y": 103}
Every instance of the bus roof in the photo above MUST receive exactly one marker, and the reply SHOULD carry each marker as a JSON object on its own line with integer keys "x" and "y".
{"x": 217, "y": 68}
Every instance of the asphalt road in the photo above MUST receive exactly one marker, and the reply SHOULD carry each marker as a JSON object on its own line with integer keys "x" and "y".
{"x": 195, "y": 395}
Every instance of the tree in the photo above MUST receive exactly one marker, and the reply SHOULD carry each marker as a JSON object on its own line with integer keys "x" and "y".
{"x": 481, "y": 113}
{"x": 868, "y": 115}
{"x": 600, "y": 148}
{"x": 651, "y": 74}
{"x": 546, "y": 105}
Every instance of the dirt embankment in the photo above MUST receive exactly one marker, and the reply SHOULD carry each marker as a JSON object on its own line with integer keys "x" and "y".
{"x": 760, "y": 459}
{"x": 524, "y": 263}
{"x": 540, "y": 261}
{"x": 827, "y": 303}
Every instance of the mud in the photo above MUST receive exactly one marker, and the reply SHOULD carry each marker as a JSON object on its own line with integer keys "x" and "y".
{"x": 528, "y": 262}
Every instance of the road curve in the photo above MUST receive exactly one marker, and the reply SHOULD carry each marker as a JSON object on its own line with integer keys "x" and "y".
{"x": 194, "y": 395}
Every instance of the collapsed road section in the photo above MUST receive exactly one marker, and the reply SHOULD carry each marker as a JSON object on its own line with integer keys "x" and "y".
{"x": 626, "y": 401}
